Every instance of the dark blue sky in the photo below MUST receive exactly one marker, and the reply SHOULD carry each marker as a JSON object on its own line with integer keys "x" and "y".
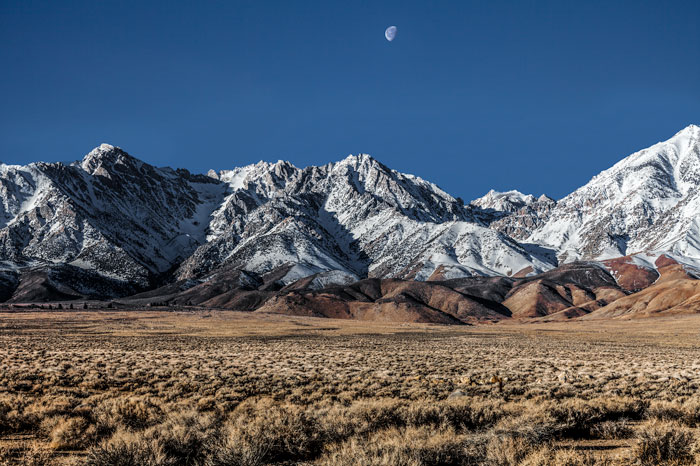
{"x": 537, "y": 96}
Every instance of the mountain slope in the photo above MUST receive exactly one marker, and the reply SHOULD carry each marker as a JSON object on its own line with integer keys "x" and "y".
{"x": 355, "y": 215}
{"x": 649, "y": 201}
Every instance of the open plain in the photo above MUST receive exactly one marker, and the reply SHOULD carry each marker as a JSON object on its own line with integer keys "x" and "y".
{"x": 232, "y": 388}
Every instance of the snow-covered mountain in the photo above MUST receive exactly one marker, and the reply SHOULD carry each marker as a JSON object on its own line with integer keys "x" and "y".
{"x": 126, "y": 222}
{"x": 110, "y": 214}
{"x": 112, "y": 224}
{"x": 355, "y": 215}
{"x": 647, "y": 202}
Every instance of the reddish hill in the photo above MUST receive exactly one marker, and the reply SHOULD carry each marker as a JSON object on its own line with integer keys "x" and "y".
{"x": 389, "y": 300}
{"x": 577, "y": 287}
{"x": 577, "y": 290}
{"x": 631, "y": 276}
{"x": 668, "y": 296}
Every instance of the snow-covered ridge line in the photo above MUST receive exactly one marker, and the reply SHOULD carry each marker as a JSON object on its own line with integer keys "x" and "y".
{"x": 123, "y": 219}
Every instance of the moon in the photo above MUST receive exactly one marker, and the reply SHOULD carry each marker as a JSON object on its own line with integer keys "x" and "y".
{"x": 390, "y": 33}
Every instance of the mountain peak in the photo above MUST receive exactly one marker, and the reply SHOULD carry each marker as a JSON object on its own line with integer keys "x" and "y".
{"x": 104, "y": 157}
{"x": 359, "y": 159}
{"x": 362, "y": 163}
{"x": 674, "y": 160}
{"x": 102, "y": 151}
{"x": 687, "y": 136}
{"x": 507, "y": 201}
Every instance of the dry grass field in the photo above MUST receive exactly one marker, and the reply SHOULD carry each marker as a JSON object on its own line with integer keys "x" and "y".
{"x": 226, "y": 388}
